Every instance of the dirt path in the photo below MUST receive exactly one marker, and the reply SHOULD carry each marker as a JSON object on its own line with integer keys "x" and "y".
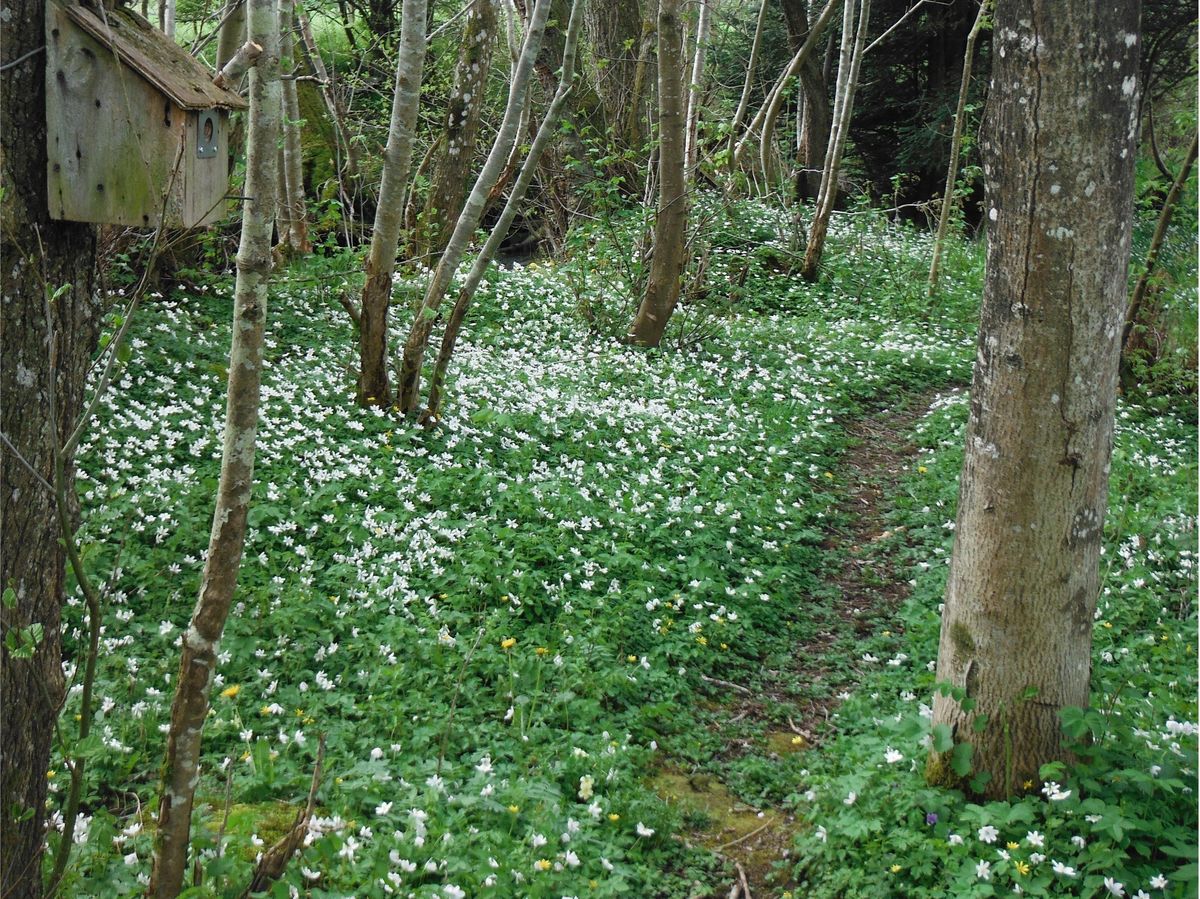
{"x": 754, "y": 840}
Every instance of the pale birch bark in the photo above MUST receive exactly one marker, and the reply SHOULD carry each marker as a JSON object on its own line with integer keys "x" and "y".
{"x": 167, "y": 17}
{"x": 545, "y": 134}
{"x": 1024, "y": 574}
{"x": 691, "y": 151}
{"x": 293, "y": 158}
{"x": 409, "y": 387}
{"x": 843, "y": 108}
{"x": 955, "y": 147}
{"x": 769, "y": 111}
{"x": 670, "y": 227}
{"x": 373, "y": 387}
{"x": 200, "y": 643}
{"x": 748, "y": 84}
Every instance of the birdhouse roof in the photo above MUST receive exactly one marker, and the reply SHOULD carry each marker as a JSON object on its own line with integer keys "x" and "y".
{"x": 154, "y": 56}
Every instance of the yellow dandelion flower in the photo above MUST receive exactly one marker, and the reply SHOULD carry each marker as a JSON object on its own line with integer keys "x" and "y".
{"x": 1028, "y": 785}
{"x": 542, "y": 650}
{"x": 702, "y": 640}
{"x": 231, "y": 691}
{"x": 829, "y": 475}
{"x": 921, "y": 469}
{"x": 631, "y": 658}
{"x": 1012, "y": 845}
{"x": 508, "y": 642}
{"x": 1022, "y": 867}
{"x": 895, "y": 869}
{"x": 50, "y": 775}
{"x": 514, "y": 809}
{"x": 542, "y": 864}
{"x": 614, "y": 817}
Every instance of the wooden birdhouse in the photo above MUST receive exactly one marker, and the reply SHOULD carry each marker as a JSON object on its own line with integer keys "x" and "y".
{"x": 136, "y": 131}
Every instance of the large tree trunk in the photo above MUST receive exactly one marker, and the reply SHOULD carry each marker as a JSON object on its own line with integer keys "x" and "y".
{"x": 843, "y": 110}
{"x": 198, "y": 658}
{"x": 670, "y": 227}
{"x": 31, "y": 555}
{"x": 461, "y": 128}
{"x": 373, "y": 387}
{"x": 1058, "y": 147}
{"x": 409, "y": 388}
{"x": 614, "y": 30}
{"x": 814, "y": 129}
{"x": 347, "y": 170}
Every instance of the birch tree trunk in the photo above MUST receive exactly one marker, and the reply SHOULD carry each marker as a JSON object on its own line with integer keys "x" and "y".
{"x": 1024, "y": 575}
{"x": 955, "y": 147}
{"x": 696, "y": 87}
{"x": 409, "y": 388}
{"x": 670, "y": 227}
{"x": 545, "y": 134}
{"x": 843, "y": 109}
{"x": 293, "y": 158}
{"x": 198, "y": 658}
{"x": 373, "y": 387}
{"x": 42, "y": 362}
{"x": 461, "y": 128}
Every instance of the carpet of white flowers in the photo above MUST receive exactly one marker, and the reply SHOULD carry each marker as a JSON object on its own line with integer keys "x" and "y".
{"x": 500, "y": 626}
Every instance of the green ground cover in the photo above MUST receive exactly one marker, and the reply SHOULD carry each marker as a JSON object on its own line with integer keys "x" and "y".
{"x": 502, "y": 626}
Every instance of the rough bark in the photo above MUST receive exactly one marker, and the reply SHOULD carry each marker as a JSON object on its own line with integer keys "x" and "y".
{"x": 670, "y": 227}
{"x": 461, "y": 129}
{"x": 38, "y": 254}
{"x": 614, "y": 30}
{"x": 544, "y": 135}
{"x": 198, "y": 659}
{"x": 843, "y": 109}
{"x": 955, "y": 147}
{"x": 409, "y": 386}
{"x": 1058, "y": 150}
{"x": 373, "y": 386}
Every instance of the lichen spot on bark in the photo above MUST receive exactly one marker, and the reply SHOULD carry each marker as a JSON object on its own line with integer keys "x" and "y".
{"x": 961, "y": 637}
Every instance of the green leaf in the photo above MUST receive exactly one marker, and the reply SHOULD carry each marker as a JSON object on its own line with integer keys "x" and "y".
{"x": 943, "y": 738}
{"x": 960, "y": 759}
{"x": 979, "y": 725}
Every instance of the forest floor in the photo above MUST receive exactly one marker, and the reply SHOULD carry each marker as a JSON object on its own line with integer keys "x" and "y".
{"x": 710, "y": 572}
{"x": 870, "y": 586}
